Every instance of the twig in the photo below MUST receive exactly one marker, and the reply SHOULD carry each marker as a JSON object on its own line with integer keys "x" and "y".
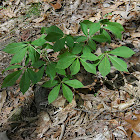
{"x": 62, "y": 131}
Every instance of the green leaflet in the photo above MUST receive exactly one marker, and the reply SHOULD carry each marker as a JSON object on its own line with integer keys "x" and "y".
{"x": 92, "y": 44}
{"x": 51, "y": 71}
{"x": 70, "y": 41}
{"x": 32, "y": 75}
{"x": 66, "y": 61}
{"x": 18, "y": 57}
{"x": 84, "y": 28}
{"x": 38, "y": 64}
{"x": 89, "y": 56}
{"x": 33, "y": 55}
{"x": 81, "y": 39}
{"x": 50, "y": 83}
{"x": 75, "y": 67}
{"x": 118, "y": 63}
{"x": 13, "y": 48}
{"x": 24, "y": 82}
{"x": 74, "y": 83}
{"x": 122, "y": 51}
{"x": 100, "y": 38}
{"x": 104, "y": 66}
{"x": 59, "y": 45}
{"x": 77, "y": 48}
{"x": 40, "y": 41}
{"x": 40, "y": 73}
{"x": 105, "y": 33}
{"x": 53, "y": 36}
{"x": 10, "y": 80}
{"x": 67, "y": 93}
{"x": 53, "y": 94}
{"x": 94, "y": 28}
{"x": 88, "y": 67}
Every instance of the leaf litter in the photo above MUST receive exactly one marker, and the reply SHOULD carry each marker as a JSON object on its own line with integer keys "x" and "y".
{"x": 98, "y": 112}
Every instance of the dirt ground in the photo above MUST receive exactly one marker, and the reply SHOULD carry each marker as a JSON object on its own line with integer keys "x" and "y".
{"x": 105, "y": 109}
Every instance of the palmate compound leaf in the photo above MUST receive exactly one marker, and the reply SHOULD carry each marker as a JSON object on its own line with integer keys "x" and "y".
{"x": 74, "y": 83}
{"x": 18, "y": 57}
{"x": 66, "y": 61}
{"x": 122, "y": 51}
{"x": 104, "y": 66}
{"x": 67, "y": 93}
{"x": 118, "y": 63}
{"x": 88, "y": 67}
{"x": 75, "y": 67}
{"x": 11, "y": 79}
{"x": 13, "y": 48}
{"x": 53, "y": 94}
{"x": 24, "y": 82}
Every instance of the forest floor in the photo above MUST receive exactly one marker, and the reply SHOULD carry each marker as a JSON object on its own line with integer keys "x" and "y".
{"x": 102, "y": 110}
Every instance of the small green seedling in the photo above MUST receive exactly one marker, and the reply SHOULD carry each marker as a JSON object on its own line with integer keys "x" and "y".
{"x": 75, "y": 51}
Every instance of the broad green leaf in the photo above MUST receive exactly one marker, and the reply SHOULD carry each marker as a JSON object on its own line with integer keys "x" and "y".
{"x": 86, "y": 49}
{"x": 116, "y": 24}
{"x": 47, "y": 46}
{"x": 66, "y": 61}
{"x": 89, "y": 56}
{"x": 24, "y": 82}
{"x": 75, "y": 67}
{"x": 54, "y": 29}
{"x": 11, "y": 79}
{"x": 32, "y": 76}
{"x": 50, "y": 83}
{"x": 70, "y": 41}
{"x": 104, "y": 66}
{"x": 104, "y": 21}
{"x": 33, "y": 54}
{"x": 13, "y": 48}
{"x": 88, "y": 23}
{"x": 92, "y": 44}
{"x": 38, "y": 64}
{"x": 81, "y": 39}
{"x": 100, "y": 58}
{"x": 74, "y": 83}
{"x": 53, "y": 94}
{"x": 122, "y": 51}
{"x": 100, "y": 38}
{"x": 84, "y": 28}
{"x": 94, "y": 28}
{"x": 51, "y": 71}
{"x": 40, "y": 41}
{"x": 67, "y": 93}
{"x": 40, "y": 73}
{"x": 18, "y": 57}
{"x": 77, "y": 48}
{"x": 52, "y": 36}
{"x": 13, "y": 67}
{"x": 88, "y": 67}
{"x": 60, "y": 71}
{"x": 27, "y": 59}
{"x": 118, "y": 63}
{"x": 59, "y": 45}
{"x": 106, "y": 35}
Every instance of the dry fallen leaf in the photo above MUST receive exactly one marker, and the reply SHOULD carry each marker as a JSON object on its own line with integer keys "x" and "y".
{"x": 57, "y": 5}
{"x": 3, "y": 95}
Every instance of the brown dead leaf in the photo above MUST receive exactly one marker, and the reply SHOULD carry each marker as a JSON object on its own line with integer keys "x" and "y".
{"x": 3, "y": 95}
{"x": 57, "y": 5}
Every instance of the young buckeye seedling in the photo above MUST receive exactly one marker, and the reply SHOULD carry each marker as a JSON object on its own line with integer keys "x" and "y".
{"x": 74, "y": 52}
